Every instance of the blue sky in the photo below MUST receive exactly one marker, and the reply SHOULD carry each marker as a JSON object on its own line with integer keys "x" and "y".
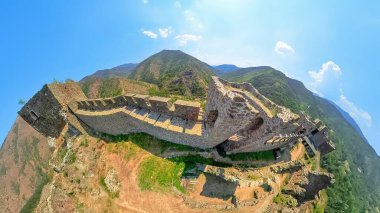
{"x": 331, "y": 46}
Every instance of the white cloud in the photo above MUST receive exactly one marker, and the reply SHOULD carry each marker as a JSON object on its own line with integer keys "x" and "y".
{"x": 283, "y": 48}
{"x": 356, "y": 112}
{"x": 184, "y": 38}
{"x": 150, "y": 34}
{"x": 177, "y": 4}
{"x": 326, "y": 67}
{"x": 165, "y": 32}
{"x": 190, "y": 17}
{"x": 145, "y": 1}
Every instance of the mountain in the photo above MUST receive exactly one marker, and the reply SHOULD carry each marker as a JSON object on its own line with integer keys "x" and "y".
{"x": 121, "y": 71}
{"x": 350, "y": 120}
{"x": 224, "y": 68}
{"x": 354, "y": 163}
{"x": 175, "y": 72}
{"x": 110, "y": 87}
{"x": 244, "y": 73}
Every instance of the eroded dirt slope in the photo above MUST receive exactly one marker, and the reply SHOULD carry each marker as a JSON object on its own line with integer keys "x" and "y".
{"x": 23, "y": 165}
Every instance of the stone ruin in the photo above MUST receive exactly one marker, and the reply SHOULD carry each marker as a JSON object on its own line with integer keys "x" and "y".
{"x": 237, "y": 118}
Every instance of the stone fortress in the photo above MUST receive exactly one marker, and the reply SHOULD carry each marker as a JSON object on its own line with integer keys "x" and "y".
{"x": 237, "y": 118}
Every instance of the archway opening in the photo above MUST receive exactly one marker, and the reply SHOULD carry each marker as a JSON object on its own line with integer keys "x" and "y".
{"x": 252, "y": 127}
{"x": 256, "y": 124}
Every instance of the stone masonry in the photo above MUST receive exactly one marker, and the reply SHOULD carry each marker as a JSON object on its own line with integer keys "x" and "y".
{"x": 237, "y": 117}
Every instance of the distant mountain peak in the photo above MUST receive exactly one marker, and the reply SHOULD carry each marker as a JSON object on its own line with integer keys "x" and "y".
{"x": 175, "y": 71}
{"x": 224, "y": 68}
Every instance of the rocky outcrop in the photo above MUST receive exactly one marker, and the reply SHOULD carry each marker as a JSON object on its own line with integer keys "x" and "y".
{"x": 304, "y": 185}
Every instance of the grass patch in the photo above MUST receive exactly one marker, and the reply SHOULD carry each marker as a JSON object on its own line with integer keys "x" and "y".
{"x": 256, "y": 156}
{"x": 321, "y": 203}
{"x": 253, "y": 177}
{"x": 148, "y": 142}
{"x": 159, "y": 174}
{"x": 71, "y": 158}
{"x": 285, "y": 200}
{"x": 84, "y": 143}
{"x": 62, "y": 152}
{"x": 311, "y": 161}
{"x": 191, "y": 160}
{"x": 318, "y": 208}
{"x": 29, "y": 153}
{"x": 33, "y": 201}
{"x": 3, "y": 170}
{"x": 15, "y": 187}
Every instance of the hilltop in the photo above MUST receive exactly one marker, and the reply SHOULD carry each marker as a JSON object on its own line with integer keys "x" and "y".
{"x": 175, "y": 72}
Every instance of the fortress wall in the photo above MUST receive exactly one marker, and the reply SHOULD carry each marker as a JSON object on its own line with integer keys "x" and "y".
{"x": 281, "y": 112}
{"x": 42, "y": 112}
{"x": 129, "y": 99}
{"x": 66, "y": 93}
{"x": 248, "y": 87}
{"x": 264, "y": 138}
{"x": 142, "y": 101}
{"x": 119, "y": 101}
{"x": 227, "y": 112}
{"x": 45, "y": 111}
{"x": 129, "y": 120}
{"x": 161, "y": 104}
{"x": 186, "y": 109}
{"x": 183, "y": 109}
{"x": 256, "y": 135}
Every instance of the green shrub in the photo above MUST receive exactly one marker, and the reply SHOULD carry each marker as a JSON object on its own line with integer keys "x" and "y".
{"x": 285, "y": 200}
{"x": 71, "y": 158}
{"x": 15, "y": 187}
{"x": 84, "y": 143}
{"x": 256, "y": 156}
{"x": 62, "y": 152}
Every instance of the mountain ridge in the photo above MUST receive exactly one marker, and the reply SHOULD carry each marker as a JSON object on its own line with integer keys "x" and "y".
{"x": 120, "y": 71}
{"x": 224, "y": 68}
{"x": 350, "y": 120}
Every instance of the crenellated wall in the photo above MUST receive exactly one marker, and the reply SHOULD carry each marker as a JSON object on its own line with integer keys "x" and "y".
{"x": 237, "y": 116}
{"x": 129, "y": 119}
{"x": 183, "y": 109}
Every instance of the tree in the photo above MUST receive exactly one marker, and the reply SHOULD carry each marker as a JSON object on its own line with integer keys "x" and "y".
{"x": 21, "y": 102}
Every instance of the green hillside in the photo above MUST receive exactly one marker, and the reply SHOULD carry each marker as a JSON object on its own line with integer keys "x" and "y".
{"x": 354, "y": 163}
{"x": 175, "y": 72}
